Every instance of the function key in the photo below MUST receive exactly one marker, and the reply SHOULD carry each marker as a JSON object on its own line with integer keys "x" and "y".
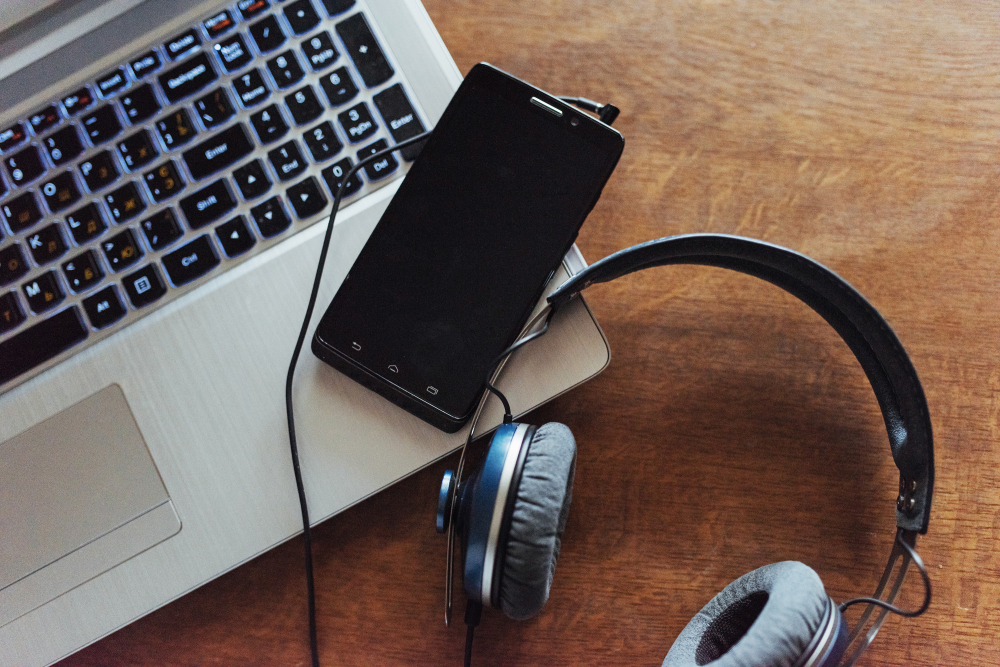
{"x": 112, "y": 81}
{"x": 125, "y": 203}
{"x": 44, "y": 119}
{"x": 182, "y": 43}
{"x": 252, "y": 180}
{"x": 22, "y": 212}
{"x": 303, "y": 105}
{"x": 364, "y": 50}
{"x": 306, "y": 197}
{"x": 269, "y": 124}
{"x": 320, "y": 51}
{"x": 218, "y": 152}
{"x": 251, "y": 8}
{"x": 12, "y": 264}
{"x": 46, "y": 244}
{"x": 104, "y": 308}
{"x": 12, "y": 136}
{"x": 61, "y": 192}
{"x": 301, "y": 16}
{"x": 86, "y": 224}
{"x": 102, "y": 125}
{"x": 218, "y": 24}
{"x": 334, "y": 7}
{"x": 82, "y": 272}
{"x": 121, "y": 250}
{"x": 191, "y": 261}
{"x": 267, "y": 34}
{"x": 214, "y": 108}
{"x": 287, "y": 160}
{"x": 144, "y": 286}
{"x": 270, "y": 217}
{"x": 233, "y": 53}
{"x": 176, "y": 129}
{"x": 140, "y": 104}
{"x": 76, "y": 102}
{"x": 144, "y": 64}
{"x": 234, "y": 236}
{"x": 24, "y": 166}
{"x": 285, "y": 69}
{"x": 339, "y": 87}
{"x": 322, "y": 142}
{"x": 63, "y": 145}
{"x": 381, "y": 167}
{"x": 398, "y": 114}
{"x": 10, "y": 312}
{"x": 137, "y": 150}
{"x": 43, "y": 292}
{"x": 251, "y": 88}
{"x": 164, "y": 181}
{"x": 99, "y": 171}
{"x": 161, "y": 229}
{"x": 187, "y": 78}
{"x": 358, "y": 123}
{"x": 334, "y": 176}
{"x": 208, "y": 204}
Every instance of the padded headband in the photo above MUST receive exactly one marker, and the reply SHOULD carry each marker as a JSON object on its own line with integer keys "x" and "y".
{"x": 878, "y": 350}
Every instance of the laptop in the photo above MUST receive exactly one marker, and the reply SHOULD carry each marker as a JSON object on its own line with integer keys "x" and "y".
{"x": 164, "y": 165}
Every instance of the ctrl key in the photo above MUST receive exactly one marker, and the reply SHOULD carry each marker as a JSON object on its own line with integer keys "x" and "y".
{"x": 104, "y": 308}
{"x": 144, "y": 286}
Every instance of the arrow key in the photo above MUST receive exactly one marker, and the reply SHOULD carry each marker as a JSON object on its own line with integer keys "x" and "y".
{"x": 306, "y": 197}
{"x": 270, "y": 217}
{"x": 234, "y": 236}
{"x": 252, "y": 180}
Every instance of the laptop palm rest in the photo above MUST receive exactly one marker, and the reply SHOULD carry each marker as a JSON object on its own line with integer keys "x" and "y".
{"x": 79, "y": 494}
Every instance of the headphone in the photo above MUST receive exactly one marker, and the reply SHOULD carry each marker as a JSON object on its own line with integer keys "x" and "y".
{"x": 510, "y": 513}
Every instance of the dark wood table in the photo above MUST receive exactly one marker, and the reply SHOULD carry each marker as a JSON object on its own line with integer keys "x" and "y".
{"x": 733, "y": 428}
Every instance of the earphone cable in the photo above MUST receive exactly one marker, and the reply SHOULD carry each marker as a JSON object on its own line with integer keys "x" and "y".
{"x": 473, "y": 612}
{"x": 915, "y": 558}
{"x": 293, "y": 446}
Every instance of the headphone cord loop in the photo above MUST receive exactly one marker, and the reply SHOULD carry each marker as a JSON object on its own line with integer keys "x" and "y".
{"x": 903, "y": 539}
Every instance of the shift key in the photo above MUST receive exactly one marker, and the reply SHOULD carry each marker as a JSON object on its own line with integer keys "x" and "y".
{"x": 218, "y": 152}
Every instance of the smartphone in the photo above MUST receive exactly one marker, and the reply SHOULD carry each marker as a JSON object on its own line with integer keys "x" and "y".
{"x": 461, "y": 255}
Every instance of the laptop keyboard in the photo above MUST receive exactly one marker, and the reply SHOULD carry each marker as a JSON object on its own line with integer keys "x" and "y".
{"x": 180, "y": 163}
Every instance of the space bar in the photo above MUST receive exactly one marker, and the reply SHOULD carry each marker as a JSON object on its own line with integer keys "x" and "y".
{"x": 36, "y": 345}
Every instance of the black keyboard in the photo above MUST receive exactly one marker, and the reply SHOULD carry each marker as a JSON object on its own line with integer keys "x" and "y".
{"x": 189, "y": 157}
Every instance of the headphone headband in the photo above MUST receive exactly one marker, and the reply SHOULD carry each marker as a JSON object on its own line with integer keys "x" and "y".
{"x": 878, "y": 350}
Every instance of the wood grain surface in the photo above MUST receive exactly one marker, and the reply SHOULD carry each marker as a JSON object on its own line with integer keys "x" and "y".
{"x": 733, "y": 428}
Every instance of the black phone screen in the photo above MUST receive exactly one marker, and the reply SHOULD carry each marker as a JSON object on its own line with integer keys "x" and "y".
{"x": 461, "y": 255}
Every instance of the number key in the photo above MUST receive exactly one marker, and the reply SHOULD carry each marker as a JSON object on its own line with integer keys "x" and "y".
{"x": 287, "y": 161}
{"x": 322, "y": 142}
{"x": 320, "y": 51}
{"x": 334, "y": 176}
{"x": 357, "y": 122}
{"x": 339, "y": 87}
{"x": 24, "y": 166}
{"x": 269, "y": 124}
{"x": 82, "y": 272}
{"x": 285, "y": 69}
{"x": 303, "y": 105}
{"x": 251, "y": 89}
{"x": 63, "y": 145}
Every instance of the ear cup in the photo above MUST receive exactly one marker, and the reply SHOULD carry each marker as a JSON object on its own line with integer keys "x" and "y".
{"x": 537, "y": 522}
{"x": 766, "y": 617}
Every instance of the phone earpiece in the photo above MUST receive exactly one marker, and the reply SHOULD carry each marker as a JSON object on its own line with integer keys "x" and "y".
{"x": 778, "y": 615}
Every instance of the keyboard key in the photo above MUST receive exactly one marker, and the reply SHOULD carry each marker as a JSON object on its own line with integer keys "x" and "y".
{"x": 63, "y": 145}
{"x": 24, "y": 166}
{"x": 208, "y": 204}
{"x": 234, "y": 236}
{"x": 112, "y": 81}
{"x": 61, "y": 192}
{"x": 86, "y": 224}
{"x": 187, "y": 78}
{"x": 47, "y": 244}
{"x": 82, "y": 272}
{"x": 12, "y": 264}
{"x": 233, "y": 53}
{"x": 104, "y": 308}
{"x": 22, "y": 212}
{"x": 267, "y": 34}
{"x": 43, "y": 293}
{"x": 140, "y": 104}
{"x": 306, "y": 198}
{"x": 270, "y": 217}
{"x": 339, "y": 87}
{"x": 218, "y": 152}
{"x": 161, "y": 229}
{"x": 76, "y": 102}
{"x": 320, "y": 51}
{"x": 144, "y": 286}
{"x": 334, "y": 176}
{"x": 182, "y": 43}
{"x": 214, "y": 108}
{"x": 358, "y": 123}
{"x": 176, "y": 129}
{"x": 301, "y": 16}
{"x": 252, "y": 180}
{"x": 39, "y": 343}
{"x": 125, "y": 203}
{"x": 381, "y": 167}
{"x": 191, "y": 261}
{"x": 398, "y": 114}
{"x": 10, "y": 317}
{"x": 251, "y": 8}
{"x": 137, "y": 150}
{"x": 144, "y": 64}
{"x": 102, "y": 125}
{"x": 303, "y": 105}
{"x": 251, "y": 89}
{"x": 287, "y": 161}
{"x": 12, "y": 136}
{"x": 322, "y": 142}
{"x": 99, "y": 171}
{"x": 122, "y": 250}
{"x": 44, "y": 119}
{"x": 268, "y": 124}
{"x": 285, "y": 69}
{"x": 334, "y": 7}
{"x": 364, "y": 50}
{"x": 218, "y": 24}
{"x": 164, "y": 181}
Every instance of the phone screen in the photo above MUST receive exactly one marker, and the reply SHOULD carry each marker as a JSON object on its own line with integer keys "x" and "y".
{"x": 462, "y": 253}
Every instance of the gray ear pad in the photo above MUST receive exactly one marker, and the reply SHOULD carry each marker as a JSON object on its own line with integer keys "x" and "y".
{"x": 539, "y": 517}
{"x": 766, "y": 617}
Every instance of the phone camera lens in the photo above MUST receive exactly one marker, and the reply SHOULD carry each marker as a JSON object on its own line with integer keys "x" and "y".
{"x": 574, "y": 121}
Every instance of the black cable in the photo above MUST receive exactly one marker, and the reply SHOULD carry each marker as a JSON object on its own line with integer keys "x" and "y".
{"x": 473, "y": 612}
{"x": 313, "y": 642}
{"x": 915, "y": 557}
{"x": 508, "y": 418}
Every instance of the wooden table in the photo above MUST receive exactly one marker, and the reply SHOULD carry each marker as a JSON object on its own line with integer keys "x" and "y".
{"x": 733, "y": 428}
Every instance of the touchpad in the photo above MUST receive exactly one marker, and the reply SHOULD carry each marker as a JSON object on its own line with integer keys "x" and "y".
{"x": 79, "y": 494}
